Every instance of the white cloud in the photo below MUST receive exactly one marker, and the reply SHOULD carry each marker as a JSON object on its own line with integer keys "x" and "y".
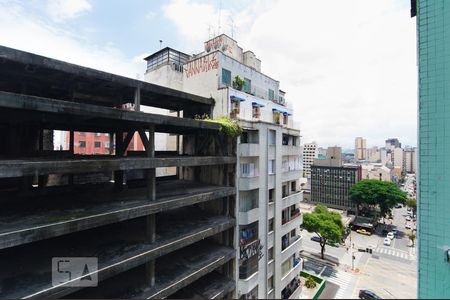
{"x": 22, "y": 30}
{"x": 348, "y": 67}
{"x": 61, "y": 10}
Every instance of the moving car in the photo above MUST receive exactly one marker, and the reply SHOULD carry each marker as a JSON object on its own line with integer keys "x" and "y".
{"x": 390, "y": 235}
{"x": 368, "y": 294}
{"x": 363, "y": 231}
{"x": 387, "y": 242}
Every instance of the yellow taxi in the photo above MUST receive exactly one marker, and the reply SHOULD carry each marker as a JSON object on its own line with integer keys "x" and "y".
{"x": 363, "y": 231}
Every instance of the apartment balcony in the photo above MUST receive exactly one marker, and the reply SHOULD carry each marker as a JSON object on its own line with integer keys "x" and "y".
{"x": 288, "y": 150}
{"x": 289, "y": 175}
{"x": 292, "y": 247}
{"x": 249, "y": 217}
{"x": 248, "y": 149}
{"x": 294, "y": 222}
{"x": 248, "y": 183}
{"x": 292, "y": 199}
{"x": 295, "y": 270}
{"x": 293, "y": 290}
{"x": 248, "y": 284}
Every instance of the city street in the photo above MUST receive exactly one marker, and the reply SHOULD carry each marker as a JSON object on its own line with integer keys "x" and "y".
{"x": 398, "y": 261}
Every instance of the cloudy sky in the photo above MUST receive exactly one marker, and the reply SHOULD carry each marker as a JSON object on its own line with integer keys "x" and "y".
{"x": 348, "y": 66}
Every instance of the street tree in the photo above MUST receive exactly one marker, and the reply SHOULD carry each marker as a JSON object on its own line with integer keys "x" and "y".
{"x": 412, "y": 237}
{"x": 413, "y": 204}
{"x": 326, "y": 224}
{"x": 376, "y": 193}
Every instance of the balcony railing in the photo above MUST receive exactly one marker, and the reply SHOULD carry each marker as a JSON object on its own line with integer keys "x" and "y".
{"x": 294, "y": 214}
{"x": 292, "y": 288}
{"x": 287, "y": 242}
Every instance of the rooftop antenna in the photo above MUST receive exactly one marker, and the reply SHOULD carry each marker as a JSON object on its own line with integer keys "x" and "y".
{"x": 218, "y": 21}
{"x": 160, "y": 44}
{"x": 232, "y": 26}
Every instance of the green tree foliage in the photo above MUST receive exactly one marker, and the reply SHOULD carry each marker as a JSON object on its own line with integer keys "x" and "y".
{"x": 238, "y": 83}
{"x": 413, "y": 204}
{"x": 228, "y": 126}
{"x": 326, "y": 224}
{"x": 310, "y": 283}
{"x": 412, "y": 237}
{"x": 376, "y": 193}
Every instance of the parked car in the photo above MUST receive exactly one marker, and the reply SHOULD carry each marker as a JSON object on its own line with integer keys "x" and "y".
{"x": 408, "y": 226}
{"x": 363, "y": 231}
{"x": 390, "y": 235}
{"x": 395, "y": 232}
{"x": 398, "y": 205}
{"x": 315, "y": 238}
{"x": 408, "y": 218}
{"x": 387, "y": 242}
{"x": 368, "y": 294}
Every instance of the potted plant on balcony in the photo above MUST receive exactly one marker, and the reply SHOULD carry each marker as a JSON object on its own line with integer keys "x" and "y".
{"x": 238, "y": 83}
{"x": 276, "y": 117}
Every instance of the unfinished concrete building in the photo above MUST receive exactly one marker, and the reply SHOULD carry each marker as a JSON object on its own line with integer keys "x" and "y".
{"x": 153, "y": 237}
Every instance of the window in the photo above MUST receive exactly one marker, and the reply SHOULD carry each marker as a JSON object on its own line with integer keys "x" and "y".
{"x": 285, "y": 119}
{"x": 272, "y": 137}
{"x": 247, "y": 85}
{"x": 292, "y": 233}
{"x": 271, "y": 166}
{"x": 270, "y": 284}
{"x": 97, "y": 144}
{"x": 248, "y": 170}
{"x": 248, "y": 267}
{"x": 293, "y": 186}
{"x": 107, "y": 144}
{"x": 271, "y": 195}
{"x": 271, "y": 94}
{"x": 244, "y": 137}
{"x": 226, "y": 77}
{"x": 270, "y": 254}
{"x": 82, "y": 144}
{"x": 271, "y": 225}
{"x": 256, "y": 111}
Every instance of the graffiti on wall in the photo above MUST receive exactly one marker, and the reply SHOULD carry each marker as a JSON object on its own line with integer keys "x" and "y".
{"x": 218, "y": 43}
{"x": 247, "y": 251}
{"x": 201, "y": 65}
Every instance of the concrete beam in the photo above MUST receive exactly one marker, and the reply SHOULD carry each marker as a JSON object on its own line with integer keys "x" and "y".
{"x": 29, "y": 167}
{"x": 73, "y": 114}
{"x": 99, "y": 208}
{"x": 43, "y": 73}
{"x": 114, "y": 254}
{"x": 181, "y": 268}
{"x": 211, "y": 286}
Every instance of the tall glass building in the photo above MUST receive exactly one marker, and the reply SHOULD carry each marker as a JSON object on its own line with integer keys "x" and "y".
{"x": 433, "y": 31}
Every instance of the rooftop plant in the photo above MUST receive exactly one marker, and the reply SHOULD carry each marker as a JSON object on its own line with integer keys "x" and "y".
{"x": 227, "y": 126}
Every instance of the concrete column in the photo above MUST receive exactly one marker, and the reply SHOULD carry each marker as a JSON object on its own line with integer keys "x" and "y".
{"x": 277, "y": 214}
{"x": 150, "y": 177}
{"x": 118, "y": 175}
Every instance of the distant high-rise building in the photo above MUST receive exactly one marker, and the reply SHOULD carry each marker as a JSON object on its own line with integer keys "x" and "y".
{"x": 393, "y": 143}
{"x": 321, "y": 152}
{"x": 409, "y": 160}
{"x": 433, "y": 60}
{"x": 309, "y": 153}
{"x": 360, "y": 148}
{"x": 331, "y": 181}
{"x": 397, "y": 158}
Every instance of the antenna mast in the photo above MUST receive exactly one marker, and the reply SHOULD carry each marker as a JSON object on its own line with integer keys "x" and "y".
{"x": 218, "y": 21}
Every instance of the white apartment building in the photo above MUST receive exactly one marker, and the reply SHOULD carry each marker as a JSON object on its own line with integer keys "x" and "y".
{"x": 269, "y": 168}
{"x": 309, "y": 153}
{"x": 360, "y": 148}
{"x": 376, "y": 171}
{"x": 397, "y": 158}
